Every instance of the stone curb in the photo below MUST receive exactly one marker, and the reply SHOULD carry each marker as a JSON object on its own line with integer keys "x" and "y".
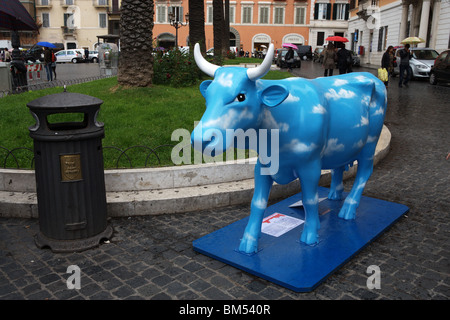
{"x": 152, "y": 191}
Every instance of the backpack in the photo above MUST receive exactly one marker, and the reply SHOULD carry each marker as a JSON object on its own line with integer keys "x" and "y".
{"x": 53, "y": 57}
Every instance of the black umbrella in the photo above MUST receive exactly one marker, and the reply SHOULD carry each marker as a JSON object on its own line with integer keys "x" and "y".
{"x": 14, "y": 16}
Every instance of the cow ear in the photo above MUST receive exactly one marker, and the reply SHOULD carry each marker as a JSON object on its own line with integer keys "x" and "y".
{"x": 203, "y": 86}
{"x": 274, "y": 95}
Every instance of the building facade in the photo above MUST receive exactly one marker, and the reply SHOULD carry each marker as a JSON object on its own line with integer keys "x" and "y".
{"x": 376, "y": 24}
{"x": 257, "y": 23}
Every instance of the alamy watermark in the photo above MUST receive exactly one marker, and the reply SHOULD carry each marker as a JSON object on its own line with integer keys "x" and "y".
{"x": 266, "y": 141}
{"x": 374, "y": 280}
{"x": 74, "y": 281}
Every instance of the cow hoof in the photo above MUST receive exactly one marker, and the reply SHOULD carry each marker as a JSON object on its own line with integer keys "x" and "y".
{"x": 248, "y": 244}
{"x": 335, "y": 195}
{"x": 348, "y": 211}
{"x": 309, "y": 237}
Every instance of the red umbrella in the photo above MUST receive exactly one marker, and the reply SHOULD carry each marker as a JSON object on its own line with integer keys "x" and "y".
{"x": 337, "y": 39}
{"x": 14, "y": 16}
{"x": 289, "y": 45}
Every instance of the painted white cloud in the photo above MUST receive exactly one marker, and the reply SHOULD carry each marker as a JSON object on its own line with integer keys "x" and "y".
{"x": 333, "y": 146}
{"x": 363, "y": 122}
{"x": 319, "y": 109}
{"x": 340, "y": 82}
{"x": 379, "y": 111}
{"x": 229, "y": 119}
{"x": 298, "y": 147}
{"x": 225, "y": 80}
{"x": 342, "y": 94}
{"x": 292, "y": 98}
{"x": 270, "y": 122}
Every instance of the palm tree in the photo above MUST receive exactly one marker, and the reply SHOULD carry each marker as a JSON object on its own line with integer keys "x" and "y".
{"x": 197, "y": 24}
{"x": 136, "y": 35}
{"x": 218, "y": 24}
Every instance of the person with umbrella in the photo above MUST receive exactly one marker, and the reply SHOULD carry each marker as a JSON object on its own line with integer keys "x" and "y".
{"x": 329, "y": 60}
{"x": 405, "y": 56}
{"x": 48, "y": 63}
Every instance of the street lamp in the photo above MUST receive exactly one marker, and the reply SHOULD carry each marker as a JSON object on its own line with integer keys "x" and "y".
{"x": 177, "y": 24}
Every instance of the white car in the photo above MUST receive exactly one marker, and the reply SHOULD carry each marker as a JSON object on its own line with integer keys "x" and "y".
{"x": 93, "y": 56}
{"x": 421, "y": 62}
{"x": 70, "y": 55}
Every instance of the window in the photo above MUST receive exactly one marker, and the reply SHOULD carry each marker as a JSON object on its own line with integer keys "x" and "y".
{"x": 45, "y": 20}
{"x": 102, "y": 20}
{"x": 263, "y": 15}
{"x": 247, "y": 14}
{"x": 44, "y": 2}
{"x": 320, "y": 38}
{"x": 178, "y": 12}
{"x": 161, "y": 14}
{"x": 340, "y": 11}
{"x": 232, "y": 9}
{"x": 300, "y": 14}
{"x": 322, "y": 11}
{"x": 68, "y": 2}
{"x": 209, "y": 18}
{"x": 278, "y": 16}
{"x": 68, "y": 20}
{"x": 102, "y": 2}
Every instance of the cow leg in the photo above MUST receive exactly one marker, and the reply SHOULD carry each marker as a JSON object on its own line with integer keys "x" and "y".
{"x": 263, "y": 185}
{"x": 309, "y": 178}
{"x": 365, "y": 168}
{"x": 336, "y": 187}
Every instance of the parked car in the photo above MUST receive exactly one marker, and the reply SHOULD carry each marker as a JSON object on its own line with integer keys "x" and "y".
{"x": 440, "y": 72}
{"x": 305, "y": 52}
{"x": 70, "y": 55}
{"x": 421, "y": 62}
{"x": 93, "y": 56}
{"x": 281, "y": 62}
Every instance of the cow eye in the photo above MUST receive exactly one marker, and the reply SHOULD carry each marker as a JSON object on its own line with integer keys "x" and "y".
{"x": 240, "y": 97}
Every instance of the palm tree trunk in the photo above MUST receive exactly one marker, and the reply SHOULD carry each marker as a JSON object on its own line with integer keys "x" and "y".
{"x": 136, "y": 33}
{"x": 197, "y": 24}
{"x": 218, "y": 30}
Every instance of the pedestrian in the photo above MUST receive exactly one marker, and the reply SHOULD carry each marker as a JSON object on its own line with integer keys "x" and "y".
{"x": 7, "y": 55}
{"x": 86, "y": 54}
{"x": 329, "y": 60}
{"x": 48, "y": 63}
{"x": 54, "y": 63}
{"x": 387, "y": 62}
{"x": 289, "y": 58}
{"x": 344, "y": 59}
{"x": 405, "y": 56}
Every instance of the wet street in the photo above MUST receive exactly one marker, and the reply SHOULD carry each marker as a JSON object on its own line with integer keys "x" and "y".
{"x": 151, "y": 257}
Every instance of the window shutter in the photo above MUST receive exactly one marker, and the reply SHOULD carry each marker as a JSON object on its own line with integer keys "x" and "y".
{"x": 334, "y": 11}
{"x": 347, "y": 7}
{"x": 316, "y": 11}
{"x": 328, "y": 11}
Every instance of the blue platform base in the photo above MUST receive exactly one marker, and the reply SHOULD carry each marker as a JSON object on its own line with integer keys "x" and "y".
{"x": 286, "y": 261}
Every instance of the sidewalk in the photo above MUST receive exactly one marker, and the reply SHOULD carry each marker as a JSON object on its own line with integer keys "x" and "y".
{"x": 151, "y": 257}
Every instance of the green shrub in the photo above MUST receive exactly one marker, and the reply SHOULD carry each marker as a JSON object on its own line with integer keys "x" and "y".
{"x": 176, "y": 69}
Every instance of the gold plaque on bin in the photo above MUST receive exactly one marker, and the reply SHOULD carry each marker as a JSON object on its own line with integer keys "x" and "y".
{"x": 70, "y": 167}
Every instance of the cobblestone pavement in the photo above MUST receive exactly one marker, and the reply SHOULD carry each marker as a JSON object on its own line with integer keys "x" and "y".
{"x": 151, "y": 257}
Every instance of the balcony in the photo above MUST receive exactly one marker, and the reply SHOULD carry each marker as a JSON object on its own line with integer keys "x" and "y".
{"x": 44, "y": 4}
{"x": 67, "y": 3}
{"x": 100, "y": 3}
{"x": 68, "y": 32}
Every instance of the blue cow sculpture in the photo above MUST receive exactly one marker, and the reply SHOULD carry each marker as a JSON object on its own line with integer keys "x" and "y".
{"x": 323, "y": 123}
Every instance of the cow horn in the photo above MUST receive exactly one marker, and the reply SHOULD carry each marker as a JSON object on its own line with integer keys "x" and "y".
{"x": 204, "y": 65}
{"x": 259, "y": 72}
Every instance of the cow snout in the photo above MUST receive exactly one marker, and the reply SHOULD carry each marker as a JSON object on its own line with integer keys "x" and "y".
{"x": 209, "y": 141}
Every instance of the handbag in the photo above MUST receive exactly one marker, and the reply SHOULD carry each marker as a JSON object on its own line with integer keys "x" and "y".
{"x": 383, "y": 74}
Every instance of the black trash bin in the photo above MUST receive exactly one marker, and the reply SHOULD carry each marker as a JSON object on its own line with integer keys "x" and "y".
{"x": 70, "y": 180}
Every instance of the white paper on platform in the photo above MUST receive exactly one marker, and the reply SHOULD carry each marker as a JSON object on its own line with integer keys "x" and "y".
{"x": 278, "y": 224}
